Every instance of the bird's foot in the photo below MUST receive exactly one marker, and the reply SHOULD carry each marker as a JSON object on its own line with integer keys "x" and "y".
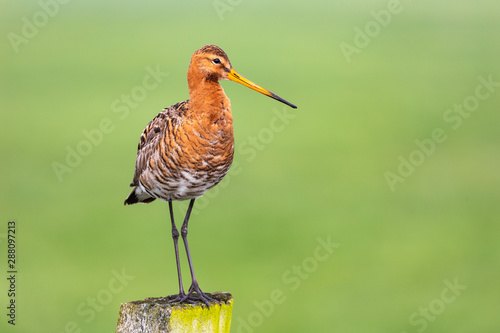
{"x": 194, "y": 296}
{"x": 179, "y": 298}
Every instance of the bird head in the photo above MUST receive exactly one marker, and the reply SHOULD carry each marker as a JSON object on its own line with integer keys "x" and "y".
{"x": 213, "y": 64}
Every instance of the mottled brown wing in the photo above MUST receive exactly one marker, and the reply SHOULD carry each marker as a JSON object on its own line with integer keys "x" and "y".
{"x": 151, "y": 137}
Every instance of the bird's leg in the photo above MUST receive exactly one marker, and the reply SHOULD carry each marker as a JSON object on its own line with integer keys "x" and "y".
{"x": 195, "y": 292}
{"x": 175, "y": 236}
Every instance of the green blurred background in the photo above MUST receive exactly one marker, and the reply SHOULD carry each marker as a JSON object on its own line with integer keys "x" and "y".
{"x": 301, "y": 177}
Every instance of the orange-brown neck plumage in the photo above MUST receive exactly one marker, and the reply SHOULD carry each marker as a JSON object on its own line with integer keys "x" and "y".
{"x": 206, "y": 96}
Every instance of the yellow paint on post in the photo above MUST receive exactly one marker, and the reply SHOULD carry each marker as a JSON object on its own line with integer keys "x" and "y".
{"x": 196, "y": 318}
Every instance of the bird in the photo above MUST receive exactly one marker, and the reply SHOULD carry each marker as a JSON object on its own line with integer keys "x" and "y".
{"x": 188, "y": 148}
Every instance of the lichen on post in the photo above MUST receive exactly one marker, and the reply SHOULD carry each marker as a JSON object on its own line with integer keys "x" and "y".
{"x": 156, "y": 315}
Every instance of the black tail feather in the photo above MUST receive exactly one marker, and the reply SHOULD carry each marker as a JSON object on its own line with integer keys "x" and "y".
{"x": 133, "y": 199}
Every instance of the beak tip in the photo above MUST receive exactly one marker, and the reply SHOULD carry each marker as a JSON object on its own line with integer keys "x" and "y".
{"x": 234, "y": 76}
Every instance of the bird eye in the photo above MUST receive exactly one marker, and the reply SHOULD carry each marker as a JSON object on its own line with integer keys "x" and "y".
{"x": 216, "y": 61}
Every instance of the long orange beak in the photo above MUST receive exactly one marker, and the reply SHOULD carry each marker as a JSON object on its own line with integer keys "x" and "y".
{"x": 233, "y": 76}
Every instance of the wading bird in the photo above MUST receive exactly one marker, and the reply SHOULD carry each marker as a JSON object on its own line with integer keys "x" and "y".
{"x": 188, "y": 148}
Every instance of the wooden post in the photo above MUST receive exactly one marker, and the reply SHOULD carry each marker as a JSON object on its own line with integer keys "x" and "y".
{"x": 155, "y": 315}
